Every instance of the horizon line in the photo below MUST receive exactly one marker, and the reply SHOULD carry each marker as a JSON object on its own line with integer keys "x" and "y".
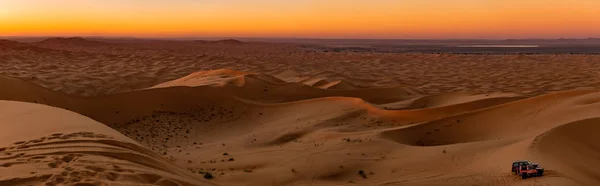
{"x": 300, "y": 38}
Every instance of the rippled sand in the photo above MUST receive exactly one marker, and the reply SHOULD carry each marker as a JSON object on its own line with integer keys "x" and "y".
{"x": 231, "y": 113}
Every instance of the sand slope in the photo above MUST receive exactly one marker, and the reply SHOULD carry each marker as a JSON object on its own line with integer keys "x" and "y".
{"x": 573, "y": 141}
{"x": 45, "y": 145}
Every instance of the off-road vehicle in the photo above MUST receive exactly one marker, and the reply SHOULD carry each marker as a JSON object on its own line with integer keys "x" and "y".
{"x": 517, "y": 164}
{"x": 530, "y": 170}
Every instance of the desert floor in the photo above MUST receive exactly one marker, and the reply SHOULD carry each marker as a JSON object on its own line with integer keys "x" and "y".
{"x": 82, "y": 112}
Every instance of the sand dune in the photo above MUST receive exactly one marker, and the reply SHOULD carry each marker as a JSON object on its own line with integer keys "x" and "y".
{"x": 194, "y": 126}
{"x": 534, "y": 115}
{"x": 88, "y": 67}
{"x": 215, "y": 78}
{"x": 221, "y": 77}
{"x": 61, "y": 147}
{"x": 8, "y": 43}
{"x": 576, "y": 140}
{"x": 175, "y": 122}
{"x": 447, "y": 99}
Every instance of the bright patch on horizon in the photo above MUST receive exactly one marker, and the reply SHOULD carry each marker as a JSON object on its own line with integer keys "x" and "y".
{"x": 499, "y": 46}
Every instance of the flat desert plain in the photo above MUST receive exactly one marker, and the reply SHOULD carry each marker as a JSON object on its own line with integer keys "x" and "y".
{"x": 78, "y": 111}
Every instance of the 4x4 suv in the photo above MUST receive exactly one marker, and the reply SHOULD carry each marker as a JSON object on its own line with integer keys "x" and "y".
{"x": 517, "y": 164}
{"x": 530, "y": 170}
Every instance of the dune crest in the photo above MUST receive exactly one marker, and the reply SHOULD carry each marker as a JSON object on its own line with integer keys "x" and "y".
{"x": 219, "y": 77}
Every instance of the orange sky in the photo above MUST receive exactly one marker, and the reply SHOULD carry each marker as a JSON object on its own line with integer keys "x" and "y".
{"x": 303, "y": 18}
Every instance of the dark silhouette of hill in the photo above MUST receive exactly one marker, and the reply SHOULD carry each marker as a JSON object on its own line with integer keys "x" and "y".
{"x": 225, "y": 41}
{"x": 71, "y": 41}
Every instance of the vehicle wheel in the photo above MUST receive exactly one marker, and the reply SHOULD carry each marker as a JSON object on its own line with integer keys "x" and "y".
{"x": 540, "y": 173}
{"x": 524, "y": 176}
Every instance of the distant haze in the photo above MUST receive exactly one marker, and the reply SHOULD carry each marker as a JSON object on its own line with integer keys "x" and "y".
{"x": 436, "y": 19}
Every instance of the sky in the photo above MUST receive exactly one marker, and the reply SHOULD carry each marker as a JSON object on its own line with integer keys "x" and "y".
{"x": 381, "y": 19}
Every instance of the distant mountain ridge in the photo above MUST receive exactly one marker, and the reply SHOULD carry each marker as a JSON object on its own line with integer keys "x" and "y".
{"x": 77, "y": 41}
{"x": 241, "y": 40}
{"x": 225, "y": 41}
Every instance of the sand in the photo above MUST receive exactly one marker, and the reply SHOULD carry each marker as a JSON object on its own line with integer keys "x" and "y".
{"x": 168, "y": 113}
{"x": 63, "y": 147}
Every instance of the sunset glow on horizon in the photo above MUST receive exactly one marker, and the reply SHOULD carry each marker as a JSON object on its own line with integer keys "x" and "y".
{"x": 303, "y": 18}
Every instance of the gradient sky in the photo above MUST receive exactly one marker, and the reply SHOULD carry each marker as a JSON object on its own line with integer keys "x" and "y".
{"x": 303, "y": 18}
